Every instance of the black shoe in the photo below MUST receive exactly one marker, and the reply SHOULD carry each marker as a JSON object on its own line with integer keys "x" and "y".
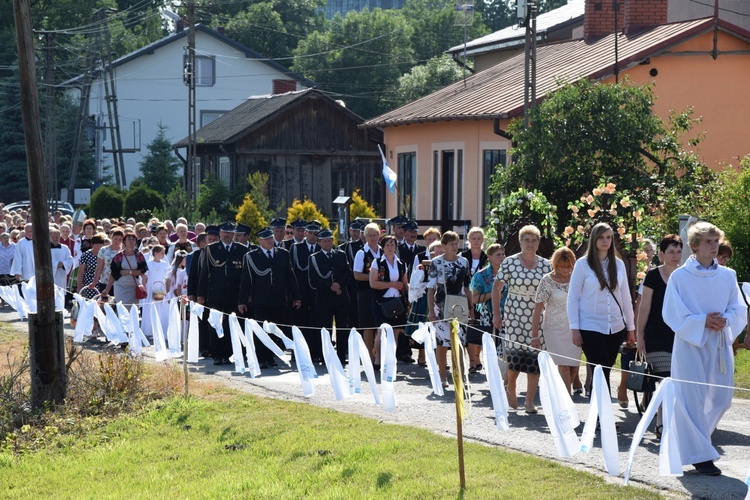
{"x": 205, "y": 354}
{"x": 218, "y": 361}
{"x": 263, "y": 365}
{"x": 225, "y": 361}
{"x": 707, "y": 468}
{"x": 273, "y": 364}
{"x": 406, "y": 359}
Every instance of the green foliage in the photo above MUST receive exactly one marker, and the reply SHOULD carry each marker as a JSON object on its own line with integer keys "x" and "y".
{"x": 142, "y": 198}
{"x": 258, "y": 182}
{"x": 306, "y": 210}
{"x": 178, "y": 204}
{"x": 214, "y": 195}
{"x": 107, "y": 201}
{"x": 13, "y": 167}
{"x": 160, "y": 165}
{"x": 733, "y": 215}
{"x": 530, "y": 205}
{"x": 360, "y": 56}
{"x": 360, "y": 207}
{"x": 250, "y": 215}
{"x": 426, "y": 78}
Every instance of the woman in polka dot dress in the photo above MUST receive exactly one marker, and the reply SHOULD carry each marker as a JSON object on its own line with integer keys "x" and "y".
{"x": 521, "y": 273}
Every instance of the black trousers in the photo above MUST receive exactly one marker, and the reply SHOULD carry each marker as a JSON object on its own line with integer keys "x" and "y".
{"x": 222, "y": 347}
{"x": 276, "y": 315}
{"x": 602, "y": 349}
{"x": 326, "y": 316}
{"x": 204, "y": 333}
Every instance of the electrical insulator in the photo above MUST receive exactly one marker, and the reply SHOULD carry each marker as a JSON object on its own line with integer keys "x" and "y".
{"x": 187, "y": 74}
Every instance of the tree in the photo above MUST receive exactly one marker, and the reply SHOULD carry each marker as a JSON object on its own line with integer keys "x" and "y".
{"x": 306, "y": 210}
{"x": 360, "y": 207}
{"x": 733, "y": 214}
{"x": 360, "y": 57}
{"x": 427, "y": 78}
{"x": 250, "y": 215}
{"x": 142, "y": 198}
{"x": 12, "y": 142}
{"x": 160, "y": 166}
{"x": 107, "y": 201}
{"x": 177, "y": 204}
{"x": 586, "y": 133}
{"x": 214, "y": 196}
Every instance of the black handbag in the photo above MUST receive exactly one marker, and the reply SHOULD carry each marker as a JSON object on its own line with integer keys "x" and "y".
{"x": 475, "y": 332}
{"x": 638, "y": 377}
{"x": 392, "y": 307}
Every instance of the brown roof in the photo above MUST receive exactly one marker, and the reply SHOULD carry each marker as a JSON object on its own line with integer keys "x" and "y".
{"x": 497, "y": 92}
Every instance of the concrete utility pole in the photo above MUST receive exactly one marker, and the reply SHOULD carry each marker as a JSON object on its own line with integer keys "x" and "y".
{"x": 46, "y": 341}
{"x": 190, "y": 75}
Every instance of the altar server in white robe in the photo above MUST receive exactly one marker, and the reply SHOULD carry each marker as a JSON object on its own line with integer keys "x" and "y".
{"x": 23, "y": 260}
{"x": 703, "y": 307}
{"x": 62, "y": 260}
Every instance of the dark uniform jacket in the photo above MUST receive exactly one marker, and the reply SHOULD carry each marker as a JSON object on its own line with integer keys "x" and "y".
{"x": 269, "y": 283}
{"x": 406, "y": 255}
{"x": 300, "y": 255}
{"x": 220, "y": 274}
{"x": 194, "y": 263}
{"x": 323, "y": 272}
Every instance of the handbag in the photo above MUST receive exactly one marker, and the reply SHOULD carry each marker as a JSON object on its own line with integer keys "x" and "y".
{"x": 140, "y": 290}
{"x": 392, "y": 307}
{"x": 476, "y": 331}
{"x": 456, "y": 306}
{"x": 639, "y": 372}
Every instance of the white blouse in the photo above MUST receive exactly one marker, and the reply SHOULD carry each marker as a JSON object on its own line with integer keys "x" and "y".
{"x": 591, "y": 308}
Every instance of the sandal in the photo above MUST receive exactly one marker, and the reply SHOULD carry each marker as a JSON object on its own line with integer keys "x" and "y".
{"x": 472, "y": 369}
{"x": 423, "y": 364}
{"x": 479, "y": 367}
{"x": 657, "y": 430}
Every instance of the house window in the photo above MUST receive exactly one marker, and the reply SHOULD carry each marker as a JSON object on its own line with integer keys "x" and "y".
{"x": 435, "y": 186}
{"x": 492, "y": 159}
{"x": 209, "y": 116}
{"x": 205, "y": 71}
{"x": 225, "y": 174}
{"x": 407, "y": 183}
{"x": 284, "y": 86}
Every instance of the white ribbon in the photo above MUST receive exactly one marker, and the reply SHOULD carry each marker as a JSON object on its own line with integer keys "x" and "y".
{"x": 138, "y": 340}
{"x": 305, "y": 367}
{"x": 338, "y": 376}
{"x": 425, "y": 334}
{"x": 29, "y": 295}
{"x": 266, "y": 340}
{"x": 85, "y": 320}
{"x": 22, "y": 308}
{"x": 359, "y": 357}
{"x": 272, "y": 328}
{"x": 60, "y": 300}
{"x": 160, "y": 345}
{"x": 196, "y": 312}
{"x": 559, "y": 410}
{"x": 124, "y": 316}
{"x": 417, "y": 285}
{"x": 215, "y": 319}
{"x": 235, "y": 333}
{"x": 388, "y": 367}
{"x": 495, "y": 381}
{"x": 117, "y": 333}
{"x": 601, "y": 406}
{"x": 253, "y": 367}
{"x": 669, "y": 450}
{"x": 9, "y": 296}
{"x": 174, "y": 334}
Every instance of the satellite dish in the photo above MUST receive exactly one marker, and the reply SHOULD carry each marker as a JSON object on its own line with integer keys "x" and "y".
{"x": 464, "y": 13}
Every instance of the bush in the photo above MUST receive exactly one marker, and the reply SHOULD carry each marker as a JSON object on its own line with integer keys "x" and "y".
{"x": 178, "y": 204}
{"x": 733, "y": 214}
{"x": 142, "y": 198}
{"x": 360, "y": 207}
{"x": 107, "y": 201}
{"x": 306, "y": 210}
{"x": 250, "y": 215}
{"x": 214, "y": 195}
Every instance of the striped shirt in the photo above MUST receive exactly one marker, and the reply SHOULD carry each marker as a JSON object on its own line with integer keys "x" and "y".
{"x": 6, "y": 257}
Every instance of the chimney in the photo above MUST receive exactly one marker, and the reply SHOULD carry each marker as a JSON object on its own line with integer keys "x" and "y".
{"x": 599, "y": 17}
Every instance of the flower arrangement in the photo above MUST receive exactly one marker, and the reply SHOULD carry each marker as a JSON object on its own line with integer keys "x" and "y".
{"x": 532, "y": 206}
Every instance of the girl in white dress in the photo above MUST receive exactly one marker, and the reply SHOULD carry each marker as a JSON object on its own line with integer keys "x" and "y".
{"x": 158, "y": 273}
{"x": 177, "y": 276}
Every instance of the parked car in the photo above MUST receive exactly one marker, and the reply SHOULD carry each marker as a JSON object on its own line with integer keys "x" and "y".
{"x": 63, "y": 206}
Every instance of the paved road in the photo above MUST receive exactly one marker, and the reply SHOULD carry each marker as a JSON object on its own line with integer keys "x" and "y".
{"x": 417, "y": 406}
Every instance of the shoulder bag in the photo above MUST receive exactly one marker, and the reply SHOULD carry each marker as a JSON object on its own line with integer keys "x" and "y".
{"x": 456, "y": 306}
{"x": 639, "y": 372}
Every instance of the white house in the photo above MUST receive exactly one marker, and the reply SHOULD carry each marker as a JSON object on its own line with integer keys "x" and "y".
{"x": 150, "y": 90}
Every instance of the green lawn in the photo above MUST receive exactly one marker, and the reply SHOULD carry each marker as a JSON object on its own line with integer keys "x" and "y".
{"x": 237, "y": 446}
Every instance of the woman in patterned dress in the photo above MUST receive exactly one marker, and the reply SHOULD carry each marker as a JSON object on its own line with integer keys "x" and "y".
{"x": 87, "y": 268}
{"x": 552, "y": 298}
{"x": 522, "y": 273}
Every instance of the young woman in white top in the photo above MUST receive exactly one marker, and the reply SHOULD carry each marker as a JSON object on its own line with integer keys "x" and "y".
{"x": 600, "y": 310}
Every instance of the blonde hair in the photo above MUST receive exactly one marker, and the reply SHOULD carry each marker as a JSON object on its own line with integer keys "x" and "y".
{"x": 700, "y": 230}
{"x": 563, "y": 255}
{"x": 526, "y": 230}
{"x": 372, "y": 227}
{"x": 475, "y": 230}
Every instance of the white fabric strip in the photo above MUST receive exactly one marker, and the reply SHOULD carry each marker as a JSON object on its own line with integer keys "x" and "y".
{"x": 495, "y": 381}
{"x": 174, "y": 329}
{"x": 305, "y": 367}
{"x": 235, "y": 332}
{"x": 253, "y": 367}
{"x": 266, "y": 340}
{"x": 601, "y": 405}
{"x": 196, "y": 312}
{"x": 388, "y": 367}
{"x": 425, "y": 335}
{"x": 339, "y": 380}
{"x": 160, "y": 345}
{"x": 559, "y": 409}
{"x": 215, "y": 319}
{"x": 138, "y": 339}
{"x": 272, "y": 328}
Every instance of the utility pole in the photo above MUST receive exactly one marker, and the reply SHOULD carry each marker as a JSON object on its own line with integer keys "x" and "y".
{"x": 46, "y": 341}
{"x": 527, "y": 10}
{"x": 50, "y": 127}
{"x": 189, "y": 75}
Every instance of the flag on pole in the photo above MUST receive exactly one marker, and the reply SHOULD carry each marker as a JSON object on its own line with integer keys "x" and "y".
{"x": 388, "y": 174}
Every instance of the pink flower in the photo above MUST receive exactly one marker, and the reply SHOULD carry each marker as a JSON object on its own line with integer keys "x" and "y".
{"x": 568, "y": 231}
{"x": 609, "y": 188}
{"x": 625, "y": 203}
{"x": 620, "y": 231}
{"x": 597, "y": 192}
{"x": 589, "y": 199}
{"x": 574, "y": 209}
{"x": 641, "y": 275}
{"x": 591, "y": 212}
{"x": 581, "y": 229}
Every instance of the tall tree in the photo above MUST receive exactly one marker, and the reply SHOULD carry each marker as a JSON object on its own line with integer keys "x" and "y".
{"x": 160, "y": 165}
{"x": 426, "y": 78}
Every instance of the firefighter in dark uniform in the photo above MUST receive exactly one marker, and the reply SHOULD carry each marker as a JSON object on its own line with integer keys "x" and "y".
{"x": 301, "y": 252}
{"x": 219, "y": 285}
{"x": 242, "y": 236}
{"x": 330, "y": 276}
{"x": 268, "y": 284}
{"x": 278, "y": 226}
{"x": 197, "y": 260}
{"x": 350, "y": 249}
{"x": 407, "y": 251}
{"x": 298, "y": 227}
{"x": 397, "y": 226}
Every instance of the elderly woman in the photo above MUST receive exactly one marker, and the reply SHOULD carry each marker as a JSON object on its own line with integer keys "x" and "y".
{"x": 552, "y": 299}
{"x": 361, "y": 269}
{"x": 477, "y": 260}
{"x": 104, "y": 261}
{"x": 521, "y": 273}
{"x": 128, "y": 272}
{"x": 448, "y": 275}
{"x": 181, "y": 244}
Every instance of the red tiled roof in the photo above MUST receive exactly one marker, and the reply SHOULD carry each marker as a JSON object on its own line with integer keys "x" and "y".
{"x": 497, "y": 92}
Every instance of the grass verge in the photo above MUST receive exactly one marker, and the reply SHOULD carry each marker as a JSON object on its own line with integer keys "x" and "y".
{"x": 239, "y": 446}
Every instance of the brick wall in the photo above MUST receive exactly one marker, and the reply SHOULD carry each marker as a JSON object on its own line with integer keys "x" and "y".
{"x": 599, "y": 19}
{"x": 640, "y": 13}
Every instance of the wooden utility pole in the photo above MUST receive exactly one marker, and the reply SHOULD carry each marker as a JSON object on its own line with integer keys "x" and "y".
{"x": 46, "y": 341}
{"x": 191, "y": 73}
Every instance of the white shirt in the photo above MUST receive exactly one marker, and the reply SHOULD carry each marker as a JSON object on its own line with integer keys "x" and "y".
{"x": 393, "y": 276}
{"x": 594, "y": 309}
{"x": 359, "y": 259}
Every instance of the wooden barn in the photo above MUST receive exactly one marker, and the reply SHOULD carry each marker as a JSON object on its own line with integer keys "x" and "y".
{"x": 309, "y": 144}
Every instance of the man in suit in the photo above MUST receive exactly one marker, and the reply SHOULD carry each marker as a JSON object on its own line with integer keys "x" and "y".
{"x": 350, "y": 249}
{"x": 304, "y": 317}
{"x": 195, "y": 261}
{"x": 242, "y": 236}
{"x": 409, "y": 248}
{"x": 219, "y": 285}
{"x": 330, "y": 276}
{"x": 298, "y": 227}
{"x": 268, "y": 284}
{"x": 278, "y": 226}
{"x": 397, "y": 226}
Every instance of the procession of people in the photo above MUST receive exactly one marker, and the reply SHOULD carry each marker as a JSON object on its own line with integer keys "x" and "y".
{"x": 688, "y": 316}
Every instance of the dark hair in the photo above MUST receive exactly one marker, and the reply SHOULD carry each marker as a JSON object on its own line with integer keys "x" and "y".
{"x": 117, "y": 231}
{"x": 595, "y": 264}
{"x": 386, "y": 238}
{"x": 157, "y": 249}
{"x": 725, "y": 248}
{"x": 89, "y": 222}
{"x": 669, "y": 240}
{"x": 200, "y": 238}
{"x": 98, "y": 239}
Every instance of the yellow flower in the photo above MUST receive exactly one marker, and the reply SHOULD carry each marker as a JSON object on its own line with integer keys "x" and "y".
{"x": 589, "y": 199}
{"x": 574, "y": 209}
{"x": 591, "y": 212}
{"x": 609, "y": 188}
{"x": 597, "y": 192}
{"x": 568, "y": 230}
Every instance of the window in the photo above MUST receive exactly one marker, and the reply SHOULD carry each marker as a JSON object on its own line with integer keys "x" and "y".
{"x": 492, "y": 159}
{"x": 284, "y": 86}
{"x": 435, "y": 186}
{"x": 205, "y": 75}
{"x": 209, "y": 116}
{"x": 407, "y": 183}
{"x": 459, "y": 185}
{"x": 225, "y": 174}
